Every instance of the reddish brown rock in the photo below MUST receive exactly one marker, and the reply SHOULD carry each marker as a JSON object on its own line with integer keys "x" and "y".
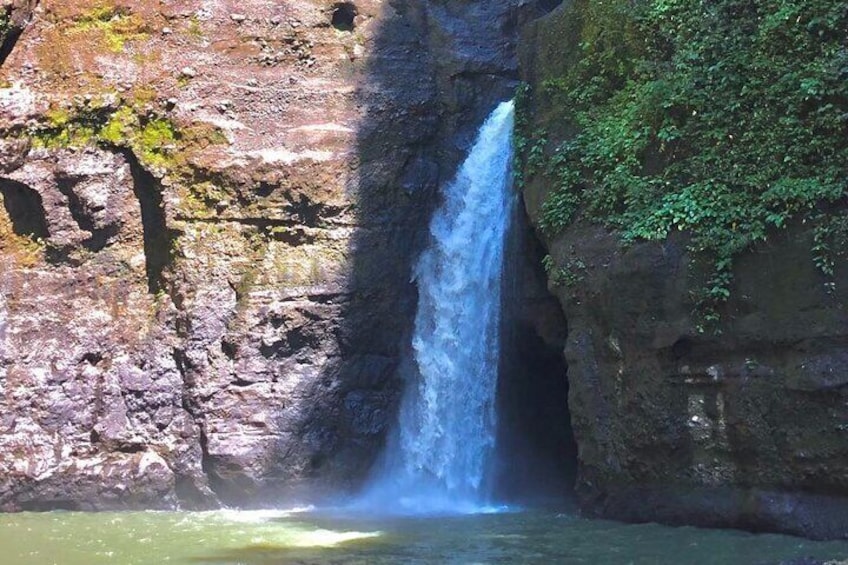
{"x": 210, "y": 210}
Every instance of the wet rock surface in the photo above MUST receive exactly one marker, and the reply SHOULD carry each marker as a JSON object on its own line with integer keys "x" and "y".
{"x": 193, "y": 317}
{"x": 745, "y": 428}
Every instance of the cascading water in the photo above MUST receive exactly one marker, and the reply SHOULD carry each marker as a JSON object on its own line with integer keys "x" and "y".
{"x": 438, "y": 459}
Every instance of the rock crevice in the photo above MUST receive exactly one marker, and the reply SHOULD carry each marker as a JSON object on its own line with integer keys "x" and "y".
{"x": 25, "y": 209}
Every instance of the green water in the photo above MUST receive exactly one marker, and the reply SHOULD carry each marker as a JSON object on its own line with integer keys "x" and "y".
{"x": 252, "y": 538}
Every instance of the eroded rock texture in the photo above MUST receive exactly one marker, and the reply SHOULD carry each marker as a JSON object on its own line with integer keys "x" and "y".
{"x": 742, "y": 429}
{"x": 209, "y": 214}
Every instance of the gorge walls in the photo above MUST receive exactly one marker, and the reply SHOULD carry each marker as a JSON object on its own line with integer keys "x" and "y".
{"x": 210, "y": 209}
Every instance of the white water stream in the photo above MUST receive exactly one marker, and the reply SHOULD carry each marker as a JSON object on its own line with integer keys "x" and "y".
{"x": 439, "y": 458}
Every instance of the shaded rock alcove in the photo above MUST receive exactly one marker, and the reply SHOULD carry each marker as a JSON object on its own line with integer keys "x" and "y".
{"x": 343, "y": 16}
{"x": 25, "y": 209}
{"x": 158, "y": 238}
{"x": 536, "y": 453}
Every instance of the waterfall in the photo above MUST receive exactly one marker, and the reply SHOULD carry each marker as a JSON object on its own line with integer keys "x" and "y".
{"x": 439, "y": 457}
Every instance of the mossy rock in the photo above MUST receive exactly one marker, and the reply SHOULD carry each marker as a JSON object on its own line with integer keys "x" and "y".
{"x": 724, "y": 120}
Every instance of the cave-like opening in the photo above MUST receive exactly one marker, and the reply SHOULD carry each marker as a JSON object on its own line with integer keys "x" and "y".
{"x": 25, "y": 209}
{"x": 344, "y": 16}
{"x": 536, "y": 453}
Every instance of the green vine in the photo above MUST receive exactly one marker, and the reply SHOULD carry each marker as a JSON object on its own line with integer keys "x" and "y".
{"x": 830, "y": 241}
{"x": 569, "y": 275}
{"x": 520, "y": 134}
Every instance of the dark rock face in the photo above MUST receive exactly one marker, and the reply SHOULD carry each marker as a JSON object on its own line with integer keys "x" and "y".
{"x": 746, "y": 428}
{"x": 743, "y": 429}
{"x": 228, "y": 330}
{"x": 535, "y": 455}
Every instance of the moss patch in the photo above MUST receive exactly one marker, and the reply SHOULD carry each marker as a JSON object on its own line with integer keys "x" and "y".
{"x": 158, "y": 142}
{"x": 68, "y": 126}
{"x": 111, "y": 25}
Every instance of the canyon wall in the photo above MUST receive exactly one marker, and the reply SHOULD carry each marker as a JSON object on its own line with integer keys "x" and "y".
{"x": 209, "y": 212}
{"x": 740, "y": 424}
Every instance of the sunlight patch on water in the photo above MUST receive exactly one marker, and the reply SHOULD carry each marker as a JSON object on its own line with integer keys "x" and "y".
{"x": 272, "y": 529}
{"x": 255, "y": 516}
{"x": 328, "y": 538}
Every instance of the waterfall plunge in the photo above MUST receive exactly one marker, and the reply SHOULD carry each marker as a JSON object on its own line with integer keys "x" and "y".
{"x": 438, "y": 458}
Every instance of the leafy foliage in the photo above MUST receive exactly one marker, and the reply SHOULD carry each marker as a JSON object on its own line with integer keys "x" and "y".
{"x": 725, "y": 119}
{"x": 830, "y": 240}
{"x": 569, "y": 275}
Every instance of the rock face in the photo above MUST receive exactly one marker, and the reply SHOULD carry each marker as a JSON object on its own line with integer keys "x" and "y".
{"x": 209, "y": 214}
{"x": 746, "y": 428}
{"x": 90, "y": 388}
{"x": 14, "y": 16}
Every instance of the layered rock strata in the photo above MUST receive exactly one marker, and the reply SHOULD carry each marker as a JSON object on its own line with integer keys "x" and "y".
{"x": 209, "y": 214}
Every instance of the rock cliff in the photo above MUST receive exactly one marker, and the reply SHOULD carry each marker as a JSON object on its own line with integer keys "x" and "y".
{"x": 209, "y": 210}
{"x": 741, "y": 425}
